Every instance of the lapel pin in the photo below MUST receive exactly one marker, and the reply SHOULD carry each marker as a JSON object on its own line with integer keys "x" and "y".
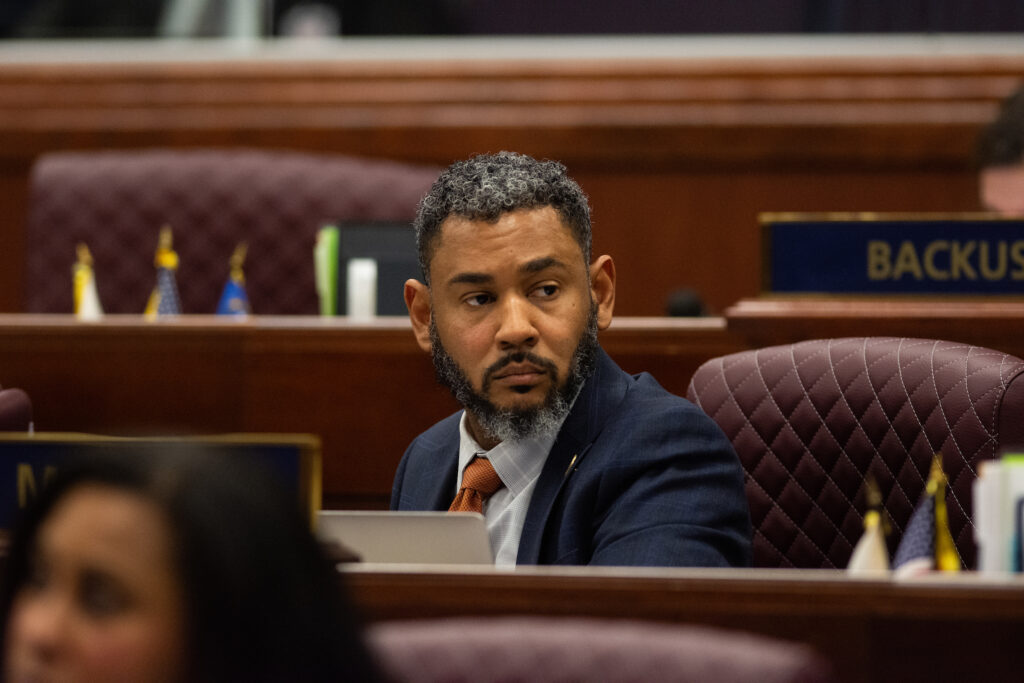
{"x": 572, "y": 464}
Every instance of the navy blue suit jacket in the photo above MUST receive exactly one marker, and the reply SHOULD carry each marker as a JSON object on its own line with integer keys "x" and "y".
{"x": 636, "y": 477}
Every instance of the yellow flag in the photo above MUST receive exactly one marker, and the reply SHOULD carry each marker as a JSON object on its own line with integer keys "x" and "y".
{"x": 87, "y": 301}
{"x": 946, "y": 557}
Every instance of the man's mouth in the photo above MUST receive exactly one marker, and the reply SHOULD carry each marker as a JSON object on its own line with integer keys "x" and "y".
{"x": 519, "y": 373}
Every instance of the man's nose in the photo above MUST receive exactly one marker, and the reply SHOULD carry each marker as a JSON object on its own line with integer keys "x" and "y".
{"x": 516, "y": 327}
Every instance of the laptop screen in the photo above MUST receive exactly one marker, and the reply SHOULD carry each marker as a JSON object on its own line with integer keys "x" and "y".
{"x": 409, "y": 537}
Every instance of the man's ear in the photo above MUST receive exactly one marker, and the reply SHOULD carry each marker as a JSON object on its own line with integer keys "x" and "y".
{"x": 602, "y": 289}
{"x": 417, "y": 300}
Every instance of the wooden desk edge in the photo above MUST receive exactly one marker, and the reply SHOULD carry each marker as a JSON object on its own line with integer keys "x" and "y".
{"x": 661, "y": 593}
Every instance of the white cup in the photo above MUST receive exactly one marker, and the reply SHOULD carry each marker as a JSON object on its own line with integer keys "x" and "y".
{"x": 361, "y": 288}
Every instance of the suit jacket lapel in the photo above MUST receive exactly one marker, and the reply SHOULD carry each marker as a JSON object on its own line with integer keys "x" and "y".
{"x": 555, "y": 472}
{"x": 600, "y": 393}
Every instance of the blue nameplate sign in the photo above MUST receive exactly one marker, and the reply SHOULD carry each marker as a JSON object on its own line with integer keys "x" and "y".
{"x": 27, "y": 461}
{"x": 878, "y": 254}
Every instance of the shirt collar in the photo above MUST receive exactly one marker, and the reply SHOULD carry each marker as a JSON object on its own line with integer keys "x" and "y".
{"x": 518, "y": 463}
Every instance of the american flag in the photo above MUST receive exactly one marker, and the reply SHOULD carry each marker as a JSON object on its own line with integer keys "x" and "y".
{"x": 167, "y": 289}
{"x": 927, "y": 543}
{"x": 164, "y": 299}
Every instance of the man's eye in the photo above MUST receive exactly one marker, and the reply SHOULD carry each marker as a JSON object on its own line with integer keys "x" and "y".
{"x": 546, "y": 291}
{"x": 479, "y": 299}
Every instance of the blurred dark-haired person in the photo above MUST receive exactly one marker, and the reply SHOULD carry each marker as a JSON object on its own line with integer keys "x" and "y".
{"x": 1000, "y": 159}
{"x": 177, "y": 566}
{"x": 585, "y": 463}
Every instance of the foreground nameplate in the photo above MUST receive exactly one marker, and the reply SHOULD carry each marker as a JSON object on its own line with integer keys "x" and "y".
{"x": 28, "y": 460}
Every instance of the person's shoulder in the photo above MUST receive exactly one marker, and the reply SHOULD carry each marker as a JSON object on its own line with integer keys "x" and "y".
{"x": 647, "y": 396}
{"x": 429, "y": 450}
{"x": 639, "y": 397}
{"x": 438, "y": 436}
{"x": 652, "y": 417}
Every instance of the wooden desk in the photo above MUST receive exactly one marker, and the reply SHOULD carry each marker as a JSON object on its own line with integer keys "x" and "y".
{"x": 963, "y": 629}
{"x": 996, "y": 324}
{"x": 366, "y": 389}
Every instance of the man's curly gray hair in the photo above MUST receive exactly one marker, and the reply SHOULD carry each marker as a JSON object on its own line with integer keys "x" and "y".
{"x": 485, "y": 187}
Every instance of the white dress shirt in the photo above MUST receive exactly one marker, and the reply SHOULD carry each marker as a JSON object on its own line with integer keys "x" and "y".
{"x": 519, "y": 464}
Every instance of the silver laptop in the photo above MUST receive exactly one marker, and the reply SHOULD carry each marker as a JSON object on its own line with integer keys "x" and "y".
{"x": 409, "y": 537}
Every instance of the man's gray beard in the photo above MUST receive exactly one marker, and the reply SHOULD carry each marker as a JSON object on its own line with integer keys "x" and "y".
{"x": 515, "y": 424}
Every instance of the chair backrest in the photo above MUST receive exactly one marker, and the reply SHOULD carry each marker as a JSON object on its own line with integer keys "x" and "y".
{"x": 116, "y": 202}
{"x": 15, "y": 411}
{"x": 810, "y": 420}
{"x": 550, "y": 649}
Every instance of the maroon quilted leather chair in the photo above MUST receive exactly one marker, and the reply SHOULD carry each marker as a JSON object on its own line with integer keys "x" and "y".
{"x": 810, "y": 420}
{"x": 553, "y": 649}
{"x": 15, "y": 411}
{"x": 117, "y": 201}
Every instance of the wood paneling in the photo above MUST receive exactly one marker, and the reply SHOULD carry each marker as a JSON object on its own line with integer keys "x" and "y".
{"x": 996, "y": 324}
{"x": 677, "y": 153}
{"x": 365, "y": 389}
{"x": 957, "y": 629}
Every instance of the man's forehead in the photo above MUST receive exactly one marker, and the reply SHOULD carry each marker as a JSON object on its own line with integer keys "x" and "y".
{"x": 524, "y": 237}
{"x": 525, "y": 268}
{"x": 547, "y": 214}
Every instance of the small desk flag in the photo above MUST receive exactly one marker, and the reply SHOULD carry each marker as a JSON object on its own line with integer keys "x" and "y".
{"x": 927, "y": 543}
{"x": 871, "y": 556}
{"x": 87, "y": 301}
{"x": 234, "y": 301}
{"x": 164, "y": 299}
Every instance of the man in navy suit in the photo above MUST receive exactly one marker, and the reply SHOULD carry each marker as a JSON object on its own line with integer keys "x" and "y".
{"x": 596, "y": 466}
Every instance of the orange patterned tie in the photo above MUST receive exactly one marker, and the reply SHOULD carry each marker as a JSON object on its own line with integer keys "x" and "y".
{"x": 479, "y": 481}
